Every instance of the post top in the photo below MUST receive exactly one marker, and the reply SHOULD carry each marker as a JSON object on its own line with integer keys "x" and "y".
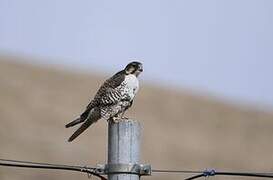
{"x": 124, "y": 120}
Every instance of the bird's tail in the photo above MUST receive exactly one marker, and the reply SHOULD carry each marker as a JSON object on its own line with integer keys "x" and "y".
{"x": 73, "y": 123}
{"x": 93, "y": 117}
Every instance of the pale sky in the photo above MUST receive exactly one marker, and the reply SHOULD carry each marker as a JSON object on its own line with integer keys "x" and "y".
{"x": 224, "y": 47}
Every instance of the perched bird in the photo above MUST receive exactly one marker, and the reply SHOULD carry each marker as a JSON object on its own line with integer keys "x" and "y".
{"x": 111, "y": 101}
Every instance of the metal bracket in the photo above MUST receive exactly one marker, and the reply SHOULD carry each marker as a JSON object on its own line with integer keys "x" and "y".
{"x": 139, "y": 169}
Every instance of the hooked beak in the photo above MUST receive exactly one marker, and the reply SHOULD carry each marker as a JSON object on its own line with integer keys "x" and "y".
{"x": 140, "y": 69}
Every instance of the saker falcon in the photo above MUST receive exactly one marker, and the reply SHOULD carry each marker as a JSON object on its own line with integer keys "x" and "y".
{"x": 111, "y": 101}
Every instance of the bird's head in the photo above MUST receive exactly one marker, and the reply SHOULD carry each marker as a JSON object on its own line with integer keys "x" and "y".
{"x": 134, "y": 68}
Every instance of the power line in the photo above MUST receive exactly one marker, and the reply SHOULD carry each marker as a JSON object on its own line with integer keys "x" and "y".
{"x": 214, "y": 173}
{"x": 27, "y": 164}
{"x": 37, "y": 163}
{"x": 96, "y": 172}
{"x": 208, "y": 173}
{"x": 175, "y": 171}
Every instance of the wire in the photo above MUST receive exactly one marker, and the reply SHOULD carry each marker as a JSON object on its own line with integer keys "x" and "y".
{"x": 208, "y": 173}
{"x": 261, "y": 175}
{"x": 27, "y": 164}
{"x": 36, "y": 163}
{"x": 96, "y": 171}
{"x": 176, "y": 171}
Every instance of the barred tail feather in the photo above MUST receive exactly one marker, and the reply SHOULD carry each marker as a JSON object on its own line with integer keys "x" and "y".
{"x": 93, "y": 117}
{"x": 73, "y": 123}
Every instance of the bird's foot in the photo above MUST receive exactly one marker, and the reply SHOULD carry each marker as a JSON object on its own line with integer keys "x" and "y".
{"x": 125, "y": 119}
{"x": 115, "y": 119}
{"x": 118, "y": 119}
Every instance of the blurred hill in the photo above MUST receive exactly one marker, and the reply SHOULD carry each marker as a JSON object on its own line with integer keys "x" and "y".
{"x": 180, "y": 130}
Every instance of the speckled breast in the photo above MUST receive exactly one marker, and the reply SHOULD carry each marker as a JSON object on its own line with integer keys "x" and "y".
{"x": 111, "y": 111}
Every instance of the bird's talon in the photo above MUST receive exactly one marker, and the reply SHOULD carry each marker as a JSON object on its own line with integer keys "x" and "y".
{"x": 115, "y": 119}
